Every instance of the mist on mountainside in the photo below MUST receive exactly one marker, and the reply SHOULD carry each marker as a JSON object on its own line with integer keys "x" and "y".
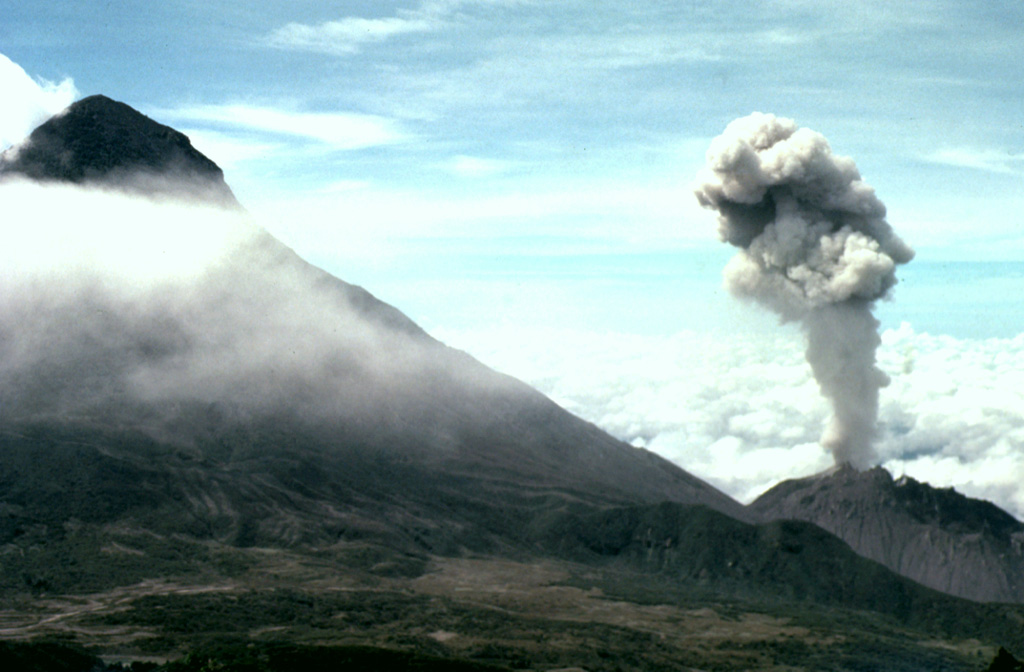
{"x": 112, "y": 300}
{"x": 136, "y": 286}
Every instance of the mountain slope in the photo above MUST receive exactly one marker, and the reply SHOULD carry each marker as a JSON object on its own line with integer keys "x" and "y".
{"x": 101, "y": 141}
{"x": 228, "y": 391}
{"x": 937, "y": 537}
{"x": 788, "y": 561}
{"x": 218, "y": 442}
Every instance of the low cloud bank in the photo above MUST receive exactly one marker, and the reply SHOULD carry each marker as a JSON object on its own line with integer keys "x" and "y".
{"x": 744, "y": 411}
{"x": 125, "y": 308}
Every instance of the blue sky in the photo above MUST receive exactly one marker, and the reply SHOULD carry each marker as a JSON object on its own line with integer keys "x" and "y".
{"x": 522, "y": 127}
{"x": 501, "y": 168}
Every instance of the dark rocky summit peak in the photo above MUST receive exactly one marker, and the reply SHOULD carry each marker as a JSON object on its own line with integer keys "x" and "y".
{"x": 102, "y": 141}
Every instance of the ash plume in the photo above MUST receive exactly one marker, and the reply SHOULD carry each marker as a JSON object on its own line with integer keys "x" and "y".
{"x": 814, "y": 247}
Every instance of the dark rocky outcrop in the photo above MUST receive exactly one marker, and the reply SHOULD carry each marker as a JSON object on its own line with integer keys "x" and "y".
{"x": 105, "y": 142}
{"x": 1005, "y": 662}
{"x": 938, "y": 537}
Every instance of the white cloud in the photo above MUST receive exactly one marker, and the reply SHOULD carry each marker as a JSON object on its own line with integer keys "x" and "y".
{"x": 623, "y": 47}
{"x": 345, "y": 186}
{"x": 955, "y": 413}
{"x": 228, "y": 150}
{"x": 606, "y": 215}
{"x": 198, "y": 304}
{"x": 77, "y": 229}
{"x": 344, "y": 36}
{"x": 530, "y": 70}
{"x": 742, "y": 410}
{"x": 348, "y": 35}
{"x": 870, "y": 15}
{"x": 504, "y": 56}
{"x": 28, "y": 102}
{"x": 991, "y": 160}
{"x": 337, "y": 130}
{"x": 475, "y": 166}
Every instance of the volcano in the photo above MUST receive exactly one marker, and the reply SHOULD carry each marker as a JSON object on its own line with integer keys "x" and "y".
{"x": 100, "y": 141}
{"x": 935, "y": 536}
{"x": 216, "y": 454}
{"x": 260, "y": 401}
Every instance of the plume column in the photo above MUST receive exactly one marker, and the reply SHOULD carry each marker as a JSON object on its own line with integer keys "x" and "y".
{"x": 815, "y": 247}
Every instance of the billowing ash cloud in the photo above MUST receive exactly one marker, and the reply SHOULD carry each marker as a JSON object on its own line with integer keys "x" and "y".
{"x": 27, "y": 103}
{"x": 815, "y": 248}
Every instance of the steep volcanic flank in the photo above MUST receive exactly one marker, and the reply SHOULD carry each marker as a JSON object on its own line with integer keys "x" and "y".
{"x": 255, "y": 399}
{"x": 938, "y": 537}
{"x": 101, "y": 141}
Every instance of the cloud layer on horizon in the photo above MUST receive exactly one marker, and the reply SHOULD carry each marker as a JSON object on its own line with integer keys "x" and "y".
{"x": 744, "y": 411}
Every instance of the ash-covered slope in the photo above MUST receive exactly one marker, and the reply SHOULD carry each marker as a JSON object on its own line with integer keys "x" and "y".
{"x": 226, "y": 390}
{"x": 938, "y": 537}
{"x": 101, "y": 141}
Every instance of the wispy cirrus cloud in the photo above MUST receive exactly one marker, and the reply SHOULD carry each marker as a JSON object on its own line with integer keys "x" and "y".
{"x": 338, "y": 130}
{"x": 991, "y": 160}
{"x": 347, "y": 35}
{"x": 230, "y": 150}
{"x": 606, "y": 216}
{"x": 475, "y": 166}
